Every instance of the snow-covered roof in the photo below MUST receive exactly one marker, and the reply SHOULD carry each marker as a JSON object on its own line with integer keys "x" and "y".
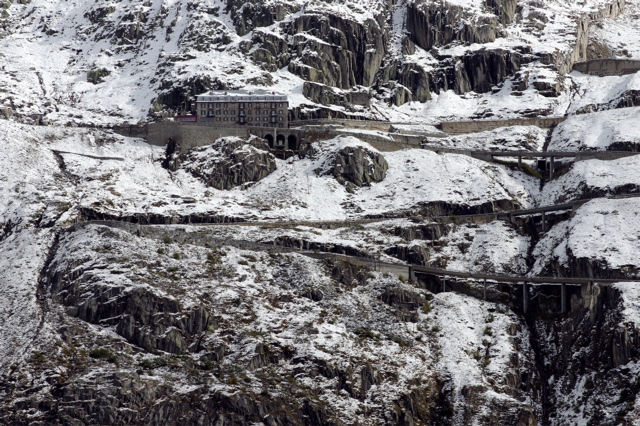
{"x": 241, "y": 95}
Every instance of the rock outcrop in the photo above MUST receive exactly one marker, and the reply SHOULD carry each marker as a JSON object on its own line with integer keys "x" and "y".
{"x": 230, "y": 162}
{"x": 432, "y": 24}
{"x": 359, "y": 166}
{"x": 335, "y": 51}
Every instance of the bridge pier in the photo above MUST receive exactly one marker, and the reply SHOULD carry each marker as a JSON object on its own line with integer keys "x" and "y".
{"x": 520, "y": 162}
{"x": 525, "y": 299}
{"x": 563, "y": 298}
{"x": 485, "y": 290}
{"x": 551, "y": 168}
{"x": 412, "y": 275}
{"x": 444, "y": 283}
{"x": 543, "y": 222}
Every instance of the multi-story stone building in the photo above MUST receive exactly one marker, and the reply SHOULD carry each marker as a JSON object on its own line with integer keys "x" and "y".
{"x": 240, "y": 107}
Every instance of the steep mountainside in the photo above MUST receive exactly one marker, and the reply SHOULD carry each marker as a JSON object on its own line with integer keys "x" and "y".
{"x": 79, "y": 62}
{"x": 229, "y": 286}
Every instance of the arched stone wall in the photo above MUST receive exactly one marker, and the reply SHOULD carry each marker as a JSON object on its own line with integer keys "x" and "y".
{"x": 269, "y": 138}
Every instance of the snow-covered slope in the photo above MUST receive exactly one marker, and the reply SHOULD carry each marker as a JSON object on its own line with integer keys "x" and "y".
{"x": 188, "y": 323}
{"x": 601, "y": 131}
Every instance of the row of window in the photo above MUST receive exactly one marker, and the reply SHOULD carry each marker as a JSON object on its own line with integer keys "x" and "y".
{"x": 232, "y": 112}
{"x": 241, "y": 105}
{"x": 272, "y": 124}
{"x": 273, "y": 119}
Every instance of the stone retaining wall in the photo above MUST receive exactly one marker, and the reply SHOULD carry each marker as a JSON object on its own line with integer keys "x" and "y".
{"x": 383, "y": 126}
{"x": 475, "y": 126}
{"x": 190, "y": 135}
{"x": 608, "y": 67}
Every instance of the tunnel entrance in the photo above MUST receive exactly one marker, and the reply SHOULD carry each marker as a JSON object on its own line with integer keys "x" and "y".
{"x": 269, "y": 139}
{"x": 292, "y": 142}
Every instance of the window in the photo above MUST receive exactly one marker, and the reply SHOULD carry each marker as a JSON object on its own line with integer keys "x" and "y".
{"x": 226, "y": 112}
{"x": 210, "y": 113}
{"x": 280, "y": 105}
{"x": 273, "y": 112}
{"x": 226, "y": 119}
{"x": 265, "y": 125}
{"x": 242, "y": 119}
{"x": 217, "y": 118}
{"x": 226, "y": 105}
{"x": 266, "y": 112}
{"x": 203, "y": 112}
{"x": 218, "y": 112}
{"x": 241, "y": 105}
{"x": 273, "y": 105}
{"x": 233, "y": 112}
{"x": 249, "y": 105}
{"x": 280, "y": 125}
{"x": 250, "y": 119}
{"x": 210, "y": 106}
{"x": 249, "y": 112}
{"x": 279, "y": 118}
{"x": 266, "y": 119}
{"x": 273, "y": 119}
{"x": 280, "y": 112}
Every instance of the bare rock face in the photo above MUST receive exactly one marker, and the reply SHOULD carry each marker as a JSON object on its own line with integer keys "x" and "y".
{"x": 340, "y": 52}
{"x": 248, "y": 15}
{"x": 359, "y": 166}
{"x": 231, "y": 162}
{"x": 437, "y": 24}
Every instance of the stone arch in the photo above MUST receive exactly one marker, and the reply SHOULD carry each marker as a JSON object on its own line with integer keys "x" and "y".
{"x": 280, "y": 140}
{"x": 292, "y": 142}
{"x": 269, "y": 139}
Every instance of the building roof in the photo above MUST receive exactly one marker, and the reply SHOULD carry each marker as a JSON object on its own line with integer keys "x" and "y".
{"x": 241, "y": 95}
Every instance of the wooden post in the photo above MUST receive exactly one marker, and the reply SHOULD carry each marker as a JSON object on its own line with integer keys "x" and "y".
{"x": 563, "y": 298}
{"x": 543, "y": 222}
{"x": 485, "y": 289}
{"x": 525, "y": 299}
{"x": 551, "y": 168}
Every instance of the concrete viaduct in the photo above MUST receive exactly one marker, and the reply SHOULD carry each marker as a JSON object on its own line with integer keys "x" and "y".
{"x": 406, "y": 271}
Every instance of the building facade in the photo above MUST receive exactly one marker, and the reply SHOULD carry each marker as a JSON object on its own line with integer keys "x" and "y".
{"x": 258, "y": 108}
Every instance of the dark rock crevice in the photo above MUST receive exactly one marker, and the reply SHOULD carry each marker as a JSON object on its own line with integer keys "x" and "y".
{"x": 591, "y": 343}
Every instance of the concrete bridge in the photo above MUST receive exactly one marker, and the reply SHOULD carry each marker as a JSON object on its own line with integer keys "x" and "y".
{"x": 410, "y": 272}
{"x": 550, "y": 156}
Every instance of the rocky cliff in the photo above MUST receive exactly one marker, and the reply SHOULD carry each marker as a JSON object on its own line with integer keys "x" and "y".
{"x": 402, "y": 52}
{"x": 142, "y": 286}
